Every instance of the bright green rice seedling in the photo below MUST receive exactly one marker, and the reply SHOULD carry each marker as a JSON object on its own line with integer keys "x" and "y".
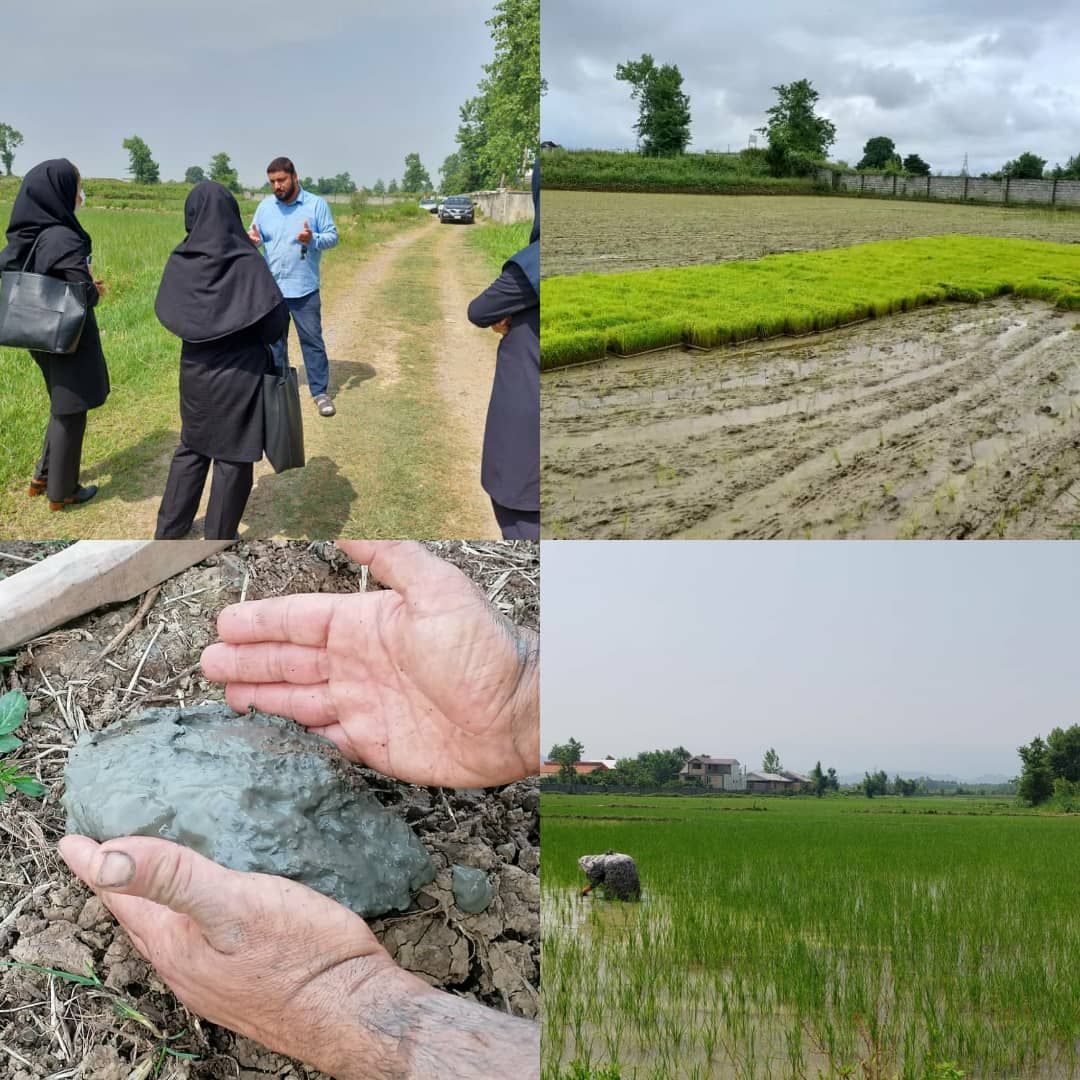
{"x": 12, "y": 714}
{"x": 586, "y": 316}
{"x": 887, "y": 939}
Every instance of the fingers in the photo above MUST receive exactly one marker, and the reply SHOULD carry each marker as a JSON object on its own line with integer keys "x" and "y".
{"x": 302, "y": 620}
{"x": 311, "y": 706}
{"x": 147, "y": 868}
{"x": 265, "y": 662}
{"x": 405, "y": 566}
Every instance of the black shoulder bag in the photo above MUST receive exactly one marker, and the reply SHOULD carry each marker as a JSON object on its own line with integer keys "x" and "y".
{"x": 39, "y": 312}
{"x": 283, "y": 424}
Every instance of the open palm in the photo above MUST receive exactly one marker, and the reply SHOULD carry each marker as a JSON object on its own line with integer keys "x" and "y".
{"x": 424, "y": 681}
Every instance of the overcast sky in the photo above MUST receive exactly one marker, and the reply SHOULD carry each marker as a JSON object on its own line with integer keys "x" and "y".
{"x": 991, "y": 78}
{"x": 338, "y": 86}
{"x": 924, "y": 658}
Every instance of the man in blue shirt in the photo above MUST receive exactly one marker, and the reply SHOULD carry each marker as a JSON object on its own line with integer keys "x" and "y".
{"x": 295, "y": 227}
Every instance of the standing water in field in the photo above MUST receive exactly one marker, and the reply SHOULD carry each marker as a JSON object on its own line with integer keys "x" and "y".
{"x": 251, "y": 792}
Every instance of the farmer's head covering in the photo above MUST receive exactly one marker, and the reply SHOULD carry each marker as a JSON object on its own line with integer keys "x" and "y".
{"x": 46, "y": 199}
{"x": 215, "y": 281}
{"x": 528, "y": 258}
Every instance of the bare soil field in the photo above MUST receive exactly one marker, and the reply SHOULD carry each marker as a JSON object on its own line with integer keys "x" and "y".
{"x": 954, "y": 421}
{"x": 50, "y": 1028}
{"x": 606, "y": 232}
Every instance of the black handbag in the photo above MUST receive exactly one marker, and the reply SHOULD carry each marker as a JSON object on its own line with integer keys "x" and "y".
{"x": 39, "y": 312}
{"x": 283, "y": 425}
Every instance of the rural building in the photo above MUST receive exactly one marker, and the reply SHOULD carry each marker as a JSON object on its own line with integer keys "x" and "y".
{"x": 802, "y": 783}
{"x": 582, "y": 768}
{"x": 768, "y": 783}
{"x": 722, "y": 773}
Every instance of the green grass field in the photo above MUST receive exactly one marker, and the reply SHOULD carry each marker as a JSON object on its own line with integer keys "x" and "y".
{"x": 924, "y": 938}
{"x": 499, "y": 242}
{"x": 718, "y": 174}
{"x": 140, "y": 422}
{"x": 584, "y": 316}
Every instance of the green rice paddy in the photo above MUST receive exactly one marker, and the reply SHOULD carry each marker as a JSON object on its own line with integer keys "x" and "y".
{"x": 586, "y": 316}
{"x": 845, "y": 937}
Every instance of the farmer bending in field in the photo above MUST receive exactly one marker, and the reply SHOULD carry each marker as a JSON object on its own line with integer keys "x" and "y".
{"x": 423, "y": 681}
{"x": 295, "y": 227}
{"x": 614, "y": 872}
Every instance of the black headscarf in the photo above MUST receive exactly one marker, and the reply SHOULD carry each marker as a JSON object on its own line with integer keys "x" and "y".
{"x": 215, "y": 282}
{"x": 46, "y": 199}
{"x": 528, "y": 258}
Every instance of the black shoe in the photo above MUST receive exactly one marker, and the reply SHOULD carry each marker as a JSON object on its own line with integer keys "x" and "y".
{"x": 82, "y": 494}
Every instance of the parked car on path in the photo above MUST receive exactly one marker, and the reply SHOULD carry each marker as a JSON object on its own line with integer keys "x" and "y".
{"x": 430, "y": 204}
{"x": 457, "y": 208}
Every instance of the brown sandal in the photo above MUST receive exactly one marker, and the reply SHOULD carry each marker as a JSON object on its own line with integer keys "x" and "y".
{"x": 37, "y": 487}
{"x": 82, "y": 494}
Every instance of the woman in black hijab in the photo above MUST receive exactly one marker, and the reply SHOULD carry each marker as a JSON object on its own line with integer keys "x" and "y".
{"x": 45, "y": 237}
{"x": 218, "y": 296}
{"x": 510, "y": 470}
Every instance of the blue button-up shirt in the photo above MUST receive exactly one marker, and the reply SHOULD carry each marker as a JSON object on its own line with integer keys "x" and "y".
{"x": 279, "y": 224}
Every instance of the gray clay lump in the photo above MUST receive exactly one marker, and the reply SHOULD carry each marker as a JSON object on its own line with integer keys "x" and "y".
{"x": 472, "y": 890}
{"x": 251, "y": 792}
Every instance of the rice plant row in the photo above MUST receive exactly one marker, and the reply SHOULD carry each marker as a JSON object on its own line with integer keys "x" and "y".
{"x": 587, "y": 316}
{"x": 832, "y": 938}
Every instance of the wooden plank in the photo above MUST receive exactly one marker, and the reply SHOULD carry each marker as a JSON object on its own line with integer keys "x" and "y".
{"x": 89, "y": 575}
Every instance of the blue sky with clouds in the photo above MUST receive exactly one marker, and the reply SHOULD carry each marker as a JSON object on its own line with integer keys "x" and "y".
{"x": 989, "y": 78}
{"x": 919, "y": 657}
{"x": 342, "y": 85}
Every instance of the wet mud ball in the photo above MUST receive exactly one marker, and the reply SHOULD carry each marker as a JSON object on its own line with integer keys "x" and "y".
{"x": 615, "y": 872}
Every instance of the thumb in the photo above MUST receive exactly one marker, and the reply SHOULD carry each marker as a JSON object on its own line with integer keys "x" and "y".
{"x": 157, "y": 870}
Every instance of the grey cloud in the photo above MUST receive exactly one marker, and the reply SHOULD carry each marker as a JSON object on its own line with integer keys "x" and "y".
{"x": 890, "y": 86}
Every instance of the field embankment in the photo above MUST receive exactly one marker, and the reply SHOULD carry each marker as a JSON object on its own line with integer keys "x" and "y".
{"x": 836, "y": 937}
{"x": 717, "y": 174}
{"x": 586, "y": 316}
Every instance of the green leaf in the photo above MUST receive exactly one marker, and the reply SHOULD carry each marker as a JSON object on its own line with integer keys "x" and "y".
{"x": 9, "y": 742}
{"x": 12, "y": 711}
{"x": 67, "y": 976}
{"x": 28, "y": 786}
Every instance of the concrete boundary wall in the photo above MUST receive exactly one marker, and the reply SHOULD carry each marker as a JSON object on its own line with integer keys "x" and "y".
{"x": 504, "y": 207}
{"x": 956, "y": 188}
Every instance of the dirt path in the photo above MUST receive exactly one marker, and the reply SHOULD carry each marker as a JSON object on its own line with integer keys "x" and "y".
{"x": 951, "y": 422}
{"x": 410, "y": 378}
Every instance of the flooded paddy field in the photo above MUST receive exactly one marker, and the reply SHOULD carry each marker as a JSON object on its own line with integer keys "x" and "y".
{"x": 909, "y": 939}
{"x": 952, "y": 421}
{"x": 608, "y": 232}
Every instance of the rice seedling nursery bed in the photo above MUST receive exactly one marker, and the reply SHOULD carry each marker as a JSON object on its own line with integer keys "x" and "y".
{"x": 585, "y": 316}
{"x": 921, "y": 938}
{"x": 607, "y": 232}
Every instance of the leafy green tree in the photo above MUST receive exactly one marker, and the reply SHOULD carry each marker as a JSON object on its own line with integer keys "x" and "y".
{"x": 10, "y": 141}
{"x": 822, "y": 782}
{"x": 416, "y": 177}
{"x": 566, "y": 756}
{"x": 875, "y": 784}
{"x": 878, "y": 153}
{"x": 798, "y": 137}
{"x": 1027, "y": 166}
{"x": 771, "y": 761}
{"x": 661, "y": 767}
{"x": 500, "y": 127}
{"x": 915, "y": 166}
{"x": 141, "y": 165}
{"x": 194, "y": 175}
{"x": 1070, "y": 170}
{"x": 379, "y": 188}
{"x": 454, "y": 177}
{"x": 663, "y": 123}
{"x": 1036, "y": 783}
{"x": 392, "y": 188}
{"x": 832, "y": 781}
{"x": 1063, "y": 753}
{"x": 222, "y": 172}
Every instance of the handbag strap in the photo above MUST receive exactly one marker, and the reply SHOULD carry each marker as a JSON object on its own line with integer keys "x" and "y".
{"x": 33, "y": 248}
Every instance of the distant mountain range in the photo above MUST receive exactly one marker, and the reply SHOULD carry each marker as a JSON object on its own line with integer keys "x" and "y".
{"x": 949, "y": 778}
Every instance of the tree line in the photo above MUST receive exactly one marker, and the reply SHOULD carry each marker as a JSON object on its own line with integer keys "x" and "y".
{"x": 798, "y": 138}
{"x": 1050, "y": 768}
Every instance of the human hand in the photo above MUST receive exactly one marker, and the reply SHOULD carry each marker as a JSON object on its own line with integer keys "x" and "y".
{"x": 264, "y": 956}
{"x": 101, "y": 288}
{"x": 305, "y": 235}
{"x": 502, "y": 327}
{"x": 424, "y": 681}
{"x": 254, "y": 235}
{"x": 292, "y": 969}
